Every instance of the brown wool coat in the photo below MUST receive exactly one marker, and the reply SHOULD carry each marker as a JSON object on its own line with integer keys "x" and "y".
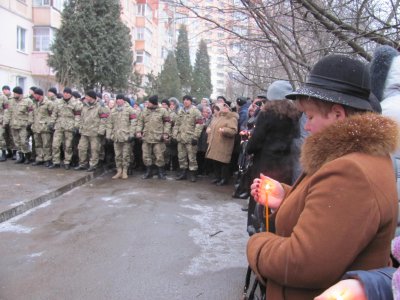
{"x": 339, "y": 216}
{"x": 220, "y": 146}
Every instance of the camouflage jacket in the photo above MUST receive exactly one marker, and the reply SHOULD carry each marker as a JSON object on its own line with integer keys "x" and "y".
{"x": 19, "y": 113}
{"x": 188, "y": 125}
{"x": 93, "y": 119}
{"x": 153, "y": 124}
{"x": 42, "y": 115}
{"x": 4, "y": 102}
{"x": 121, "y": 124}
{"x": 66, "y": 114}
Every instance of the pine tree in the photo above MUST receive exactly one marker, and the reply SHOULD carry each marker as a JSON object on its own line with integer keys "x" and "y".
{"x": 201, "y": 85}
{"x": 183, "y": 60}
{"x": 93, "y": 46}
{"x": 170, "y": 85}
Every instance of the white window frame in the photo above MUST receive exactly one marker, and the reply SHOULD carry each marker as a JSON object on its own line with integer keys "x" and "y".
{"x": 36, "y": 3}
{"x": 21, "y": 39}
{"x": 140, "y": 33}
{"x": 44, "y": 46}
{"x": 140, "y": 57}
{"x": 20, "y": 81}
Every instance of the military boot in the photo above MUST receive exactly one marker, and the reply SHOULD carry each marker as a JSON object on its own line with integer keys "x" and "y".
{"x": 21, "y": 158}
{"x": 148, "y": 173}
{"x": 192, "y": 176}
{"x": 47, "y": 163}
{"x": 14, "y": 155}
{"x": 182, "y": 175}
{"x": 161, "y": 173}
{"x": 124, "y": 173}
{"x": 9, "y": 153}
{"x": 28, "y": 158}
{"x": 118, "y": 175}
{"x": 37, "y": 163}
{"x": 3, "y": 156}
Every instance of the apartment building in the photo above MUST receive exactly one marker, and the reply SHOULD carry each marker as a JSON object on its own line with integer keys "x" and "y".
{"x": 27, "y": 30}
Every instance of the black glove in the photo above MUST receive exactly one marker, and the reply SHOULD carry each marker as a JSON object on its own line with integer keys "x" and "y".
{"x": 109, "y": 141}
{"x": 131, "y": 139}
{"x": 75, "y": 131}
{"x": 194, "y": 142}
{"x": 50, "y": 127}
{"x": 29, "y": 127}
{"x": 173, "y": 141}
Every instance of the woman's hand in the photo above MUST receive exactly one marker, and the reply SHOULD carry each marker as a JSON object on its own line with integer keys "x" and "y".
{"x": 267, "y": 187}
{"x": 351, "y": 289}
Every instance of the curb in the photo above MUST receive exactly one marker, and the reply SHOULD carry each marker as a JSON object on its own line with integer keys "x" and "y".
{"x": 29, "y": 204}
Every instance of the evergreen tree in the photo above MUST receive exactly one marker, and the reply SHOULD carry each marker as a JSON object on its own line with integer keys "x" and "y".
{"x": 170, "y": 85}
{"x": 93, "y": 46}
{"x": 183, "y": 59}
{"x": 201, "y": 85}
{"x": 152, "y": 85}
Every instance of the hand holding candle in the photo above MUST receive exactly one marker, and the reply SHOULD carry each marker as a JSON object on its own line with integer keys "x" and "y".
{"x": 266, "y": 189}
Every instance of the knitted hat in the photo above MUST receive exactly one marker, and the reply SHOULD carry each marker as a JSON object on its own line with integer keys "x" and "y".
{"x": 18, "y": 90}
{"x": 278, "y": 90}
{"x": 338, "y": 79}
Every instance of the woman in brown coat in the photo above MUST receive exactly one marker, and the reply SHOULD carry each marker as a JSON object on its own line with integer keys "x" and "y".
{"x": 341, "y": 213}
{"x": 221, "y": 138}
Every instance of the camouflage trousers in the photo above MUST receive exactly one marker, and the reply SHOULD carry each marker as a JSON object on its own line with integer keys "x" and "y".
{"x": 87, "y": 143}
{"x": 158, "y": 150}
{"x": 62, "y": 137}
{"x": 9, "y": 139}
{"x": 122, "y": 155}
{"x": 42, "y": 146}
{"x": 187, "y": 152}
{"x": 3, "y": 144}
{"x": 20, "y": 137}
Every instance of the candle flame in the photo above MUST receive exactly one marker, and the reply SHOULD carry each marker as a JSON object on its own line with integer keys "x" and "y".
{"x": 268, "y": 186}
{"x": 339, "y": 296}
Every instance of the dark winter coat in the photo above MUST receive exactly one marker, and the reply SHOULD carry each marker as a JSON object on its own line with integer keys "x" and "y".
{"x": 276, "y": 127}
{"x": 339, "y": 216}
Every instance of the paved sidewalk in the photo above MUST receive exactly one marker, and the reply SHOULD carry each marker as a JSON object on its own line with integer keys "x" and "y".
{"x": 24, "y": 186}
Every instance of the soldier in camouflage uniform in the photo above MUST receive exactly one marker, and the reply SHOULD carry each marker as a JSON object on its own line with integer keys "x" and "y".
{"x": 121, "y": 128}
{"x": 43, "y": 109}
{"x": 11, "y": 152}
{"x": 154, "y": 127}
{"x": 65, "y": 121}
{"x": 91, "y": 127}
{"x": 52, "y": 94}
{"x": 19, "y": 116}
{"x": 187, "y": 130}
{"x": 3, "y": 144}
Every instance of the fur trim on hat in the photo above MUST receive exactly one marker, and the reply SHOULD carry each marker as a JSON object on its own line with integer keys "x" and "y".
{"x": 368, "y": 133}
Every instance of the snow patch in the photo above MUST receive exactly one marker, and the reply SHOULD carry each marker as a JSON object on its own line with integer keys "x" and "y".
{"x": 221, "y": 236}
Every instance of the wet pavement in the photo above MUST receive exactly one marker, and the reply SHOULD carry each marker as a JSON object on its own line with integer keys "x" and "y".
{"x": 122, "y": 239}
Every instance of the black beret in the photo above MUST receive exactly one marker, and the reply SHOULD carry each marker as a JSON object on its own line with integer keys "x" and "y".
{"x": 33, "y": 88}
{"x": 76, "y": 95}
{"x": 5, "y": 87}
{"x": 92, "y": 94}
{"x": 153, "y": 100}
{"x": 38, "y": 92}
{"x": 18, "y": 90}
{"x": 68, "y": 90}
{"x": 120, "y": 96}
{"x": 53, "y": 90}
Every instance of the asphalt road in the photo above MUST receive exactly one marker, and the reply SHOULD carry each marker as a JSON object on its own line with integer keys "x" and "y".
{"x": 133, "y": 239}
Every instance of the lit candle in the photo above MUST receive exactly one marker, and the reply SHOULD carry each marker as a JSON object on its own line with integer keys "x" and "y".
{"x": 265, "y": 189}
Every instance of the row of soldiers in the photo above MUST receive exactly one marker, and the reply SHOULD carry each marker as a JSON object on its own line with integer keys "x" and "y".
{"x": 55, "y": 123}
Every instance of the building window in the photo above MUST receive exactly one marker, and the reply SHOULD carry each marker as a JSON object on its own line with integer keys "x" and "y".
{"x": 58, "y": 4}
{"x": 42, "y": 38}
{"x": 220, "y": 82}
{"x": 220, "y": 91}
{"x": 140, "y": 33}
{"x": 41, "y": 2}
{"x": 21, "y": 81}
{"x": 139, "y": 57}
{"x": 220, "y": 74}
{"x": 21, "y": 39}
{"x": 141, "y": 9}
